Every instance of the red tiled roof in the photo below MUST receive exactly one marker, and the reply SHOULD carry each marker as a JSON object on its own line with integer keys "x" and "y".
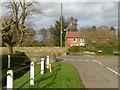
{"x": 72, "y": 34}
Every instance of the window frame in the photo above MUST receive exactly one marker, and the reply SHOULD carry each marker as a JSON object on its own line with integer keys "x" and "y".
{"x": 82, "y": 40}
{"x": 74, "y": 39}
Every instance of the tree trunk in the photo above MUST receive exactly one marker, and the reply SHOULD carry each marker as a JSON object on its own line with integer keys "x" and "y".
{"x": 9, "y": 47}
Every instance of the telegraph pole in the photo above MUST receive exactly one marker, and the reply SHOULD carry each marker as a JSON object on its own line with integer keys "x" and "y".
{"x": 61, "y": 28}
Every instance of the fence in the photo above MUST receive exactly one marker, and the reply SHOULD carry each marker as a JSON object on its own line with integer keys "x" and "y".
{"x": 44, "y": 62}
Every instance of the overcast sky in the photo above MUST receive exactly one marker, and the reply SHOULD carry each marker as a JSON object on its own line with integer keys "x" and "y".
{"x": 87, "y": 13}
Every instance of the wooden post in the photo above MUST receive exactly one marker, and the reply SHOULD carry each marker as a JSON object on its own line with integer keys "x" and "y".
{"x": 47, "y": 61}
{"x": 32, "y": 73}
{"x": 9, "y": 80}
{"x": 42, "y": 65}
{"x": 61, "y": 27}
{"x": 8, "y": 61}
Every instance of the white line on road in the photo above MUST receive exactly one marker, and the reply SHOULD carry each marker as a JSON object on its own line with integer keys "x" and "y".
{"x": 113, "y": 71}
{"x": 94, "y": 60}
{"x": 89, "y": 55}
{"x": 71, "y": 59}
{"x": 65, "y": 59}
{"x": 97, "y": 61}
{"x": 86, "y": 60}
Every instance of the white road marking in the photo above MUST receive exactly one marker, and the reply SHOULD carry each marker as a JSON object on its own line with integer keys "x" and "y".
{"x": 89, "y": 55}
{"x": 71, "y": 60}
{"x": 86, "y": 60}
{"x": 94, "y": 60}
{"x": 65, "y": 59}
{"x": 97, "y": 61}
{"x": 113, "y": 71}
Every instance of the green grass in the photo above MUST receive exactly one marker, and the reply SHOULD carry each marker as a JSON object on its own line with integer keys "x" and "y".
{"x": 63, "y": 76}
{"x": 15, "y": 59}
{"x": 4, "y": 71}
{"x": 17, "y": 74}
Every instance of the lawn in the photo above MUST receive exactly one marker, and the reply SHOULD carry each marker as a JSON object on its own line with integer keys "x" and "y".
{"x": 16, "y": 60}
{"x": 63, "y": 76}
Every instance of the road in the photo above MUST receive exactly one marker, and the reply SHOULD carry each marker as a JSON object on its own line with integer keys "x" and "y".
{"x": 96, "y": 71}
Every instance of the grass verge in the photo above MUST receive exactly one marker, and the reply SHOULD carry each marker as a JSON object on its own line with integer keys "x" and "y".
{"x": 17, "y": 74}
{"x": 63, "y": 76}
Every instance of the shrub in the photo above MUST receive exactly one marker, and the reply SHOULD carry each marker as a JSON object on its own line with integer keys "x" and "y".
{"x": 107, "y": 49}
{"x": 74, "y": 49}
{"x": 67, "y": 53}
{"x": 82, "y": 48}
{"x": 16, "y": 59}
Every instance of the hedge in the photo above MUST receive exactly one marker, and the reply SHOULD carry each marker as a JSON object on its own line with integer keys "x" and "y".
{"x": 106, "y": 49}
{"x": 16, "y": 59}
{"x": 77, "y": 48}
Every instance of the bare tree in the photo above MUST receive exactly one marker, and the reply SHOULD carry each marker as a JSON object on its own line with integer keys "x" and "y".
{"x": 29, "y": 37}
{"x": 14, "y": 27}
{"x": 72, "y": 26}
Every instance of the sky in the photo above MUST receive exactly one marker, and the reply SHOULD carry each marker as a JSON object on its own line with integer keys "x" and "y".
{"x": 88, "y": 13}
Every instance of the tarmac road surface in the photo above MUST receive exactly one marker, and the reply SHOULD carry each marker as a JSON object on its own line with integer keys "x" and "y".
{"x": 96, "y": 71}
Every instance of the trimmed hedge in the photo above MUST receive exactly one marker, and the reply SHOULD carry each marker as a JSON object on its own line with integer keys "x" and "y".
{"x": 73, "y": 49}
{"x": 16, "y": 59}
{"x": 106, "y": 49}
{"x": 76, "y": 49}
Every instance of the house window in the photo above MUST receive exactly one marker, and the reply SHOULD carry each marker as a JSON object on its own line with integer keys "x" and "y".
{"x": 81, "y": 39}
{"x": 74, "y": 39}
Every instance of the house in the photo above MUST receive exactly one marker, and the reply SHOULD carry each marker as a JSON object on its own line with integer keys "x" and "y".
{"x": 72, "y": 38}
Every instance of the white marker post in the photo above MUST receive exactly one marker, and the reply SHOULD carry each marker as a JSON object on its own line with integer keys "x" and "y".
{"x": 42, "y": 65}
{"x": 47, "y": 61}
{"x": 9, "y": 80}
{"x": 32, "y": 73}
{"x": 8, "y": 61}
